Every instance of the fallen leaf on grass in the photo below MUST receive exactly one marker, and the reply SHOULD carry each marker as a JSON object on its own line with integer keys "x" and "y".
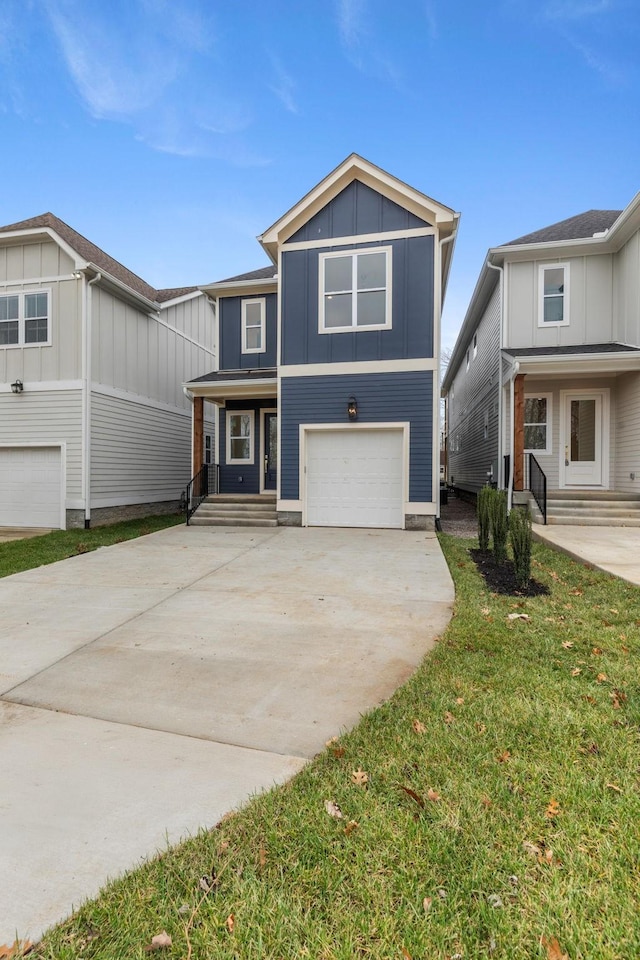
{"x": 406, "y": 954}
{"x": 485, "y": 611}
{"x": 503, "y": 757}
{"x": 459, "y": 701}
{"x": 576, "y": 672}
{"x": 518, "y": 616}
{"x": 207, "y": 884}
{"x": 495, "y": 900}
{"x": 480, "y": 727}
{"x": 449, "y": 717}
{"x": 612, "y": 610}
{"x": 351, "y": 826}
{"x": 414, "y": 796}
{"x": 613, "y": 786}
{"x": 532, "y": 848}
{"x": 231, "y": 923}
{"x": 418, "y": 726}
{"x": 433, "y": 794}
{"x": 554, "y": 952}
{"x": 567, "y": 644}
{"x": 596, "y": 651}
{"x": 19, "y": 948}
{"x": 263, "y": 858}
{"x": 333, "y": 809}
{"x": 601, "y": 678}
{"x": 552, "y": 810}
{"x": 486, "y": 802}
{"x": 576, "y": 592}
{"x": 427, "y": 903}
{"x": 160, "y": 942}
{"x": 359, "y": 777}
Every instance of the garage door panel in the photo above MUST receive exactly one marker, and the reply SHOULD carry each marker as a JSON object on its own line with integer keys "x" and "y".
{"x": 30, "y": 486}
{"x": 355, "y": 478}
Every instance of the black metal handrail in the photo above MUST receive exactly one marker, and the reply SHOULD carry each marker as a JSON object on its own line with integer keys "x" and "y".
{"x": 507, "y": 471}
{"x": 538, "y": 486}
{"x": 203, "y": 485}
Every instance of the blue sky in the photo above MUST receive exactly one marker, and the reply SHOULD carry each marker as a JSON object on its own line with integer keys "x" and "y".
{"x": 172, "y": 132}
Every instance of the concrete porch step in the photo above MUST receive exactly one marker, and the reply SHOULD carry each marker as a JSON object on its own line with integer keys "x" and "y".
{"x": 231, "y": 521}
{"x": 237, "y": 510}
{"x": 583, "y": 520}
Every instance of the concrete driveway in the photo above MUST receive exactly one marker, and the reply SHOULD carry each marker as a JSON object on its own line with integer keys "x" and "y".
{"x": 150, "y": 687}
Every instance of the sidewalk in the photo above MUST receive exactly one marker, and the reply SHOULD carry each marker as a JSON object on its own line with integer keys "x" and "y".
{"x": 615, "y": 550}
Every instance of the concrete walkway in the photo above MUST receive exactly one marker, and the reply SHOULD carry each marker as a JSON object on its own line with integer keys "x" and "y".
{"x": 615, "y": 550}
{"x": 150, "y": 687}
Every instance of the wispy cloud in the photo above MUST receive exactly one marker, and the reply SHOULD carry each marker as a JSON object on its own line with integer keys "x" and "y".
{"x": 613, "y": 73}
{"x": 432, "y": 20}
{"x": 282, "y": 84}
{"x": 576, "y": 9}
{"x": 356, "y": 20}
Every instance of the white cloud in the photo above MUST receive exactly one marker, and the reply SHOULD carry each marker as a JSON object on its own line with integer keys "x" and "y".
{"x": 356, "y": 21}
{"x": 611, "y": 72}
{"x": 576, "y": 9}
{"x": 282, "y": 85}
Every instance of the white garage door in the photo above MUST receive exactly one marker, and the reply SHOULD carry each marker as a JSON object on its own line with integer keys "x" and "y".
{"x": 355, "y": 478}
{"x": 30, "y": 486}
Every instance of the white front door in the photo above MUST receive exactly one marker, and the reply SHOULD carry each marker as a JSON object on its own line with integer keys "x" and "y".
{"x": 583, "y": 439}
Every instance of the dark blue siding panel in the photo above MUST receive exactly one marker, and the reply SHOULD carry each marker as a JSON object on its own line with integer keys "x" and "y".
{"x": 231, "y": 357}
{"x": 412, "y": 309}
{"x": 235, "y": 478}
{"x": 382, "y": 398}
{"x": 354, "y": 211}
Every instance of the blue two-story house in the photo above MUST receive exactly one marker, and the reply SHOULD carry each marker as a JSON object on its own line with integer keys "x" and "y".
{"x": 327, "y": 387}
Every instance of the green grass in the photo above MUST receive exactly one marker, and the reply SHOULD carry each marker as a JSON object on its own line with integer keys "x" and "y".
{"x": 18, "y": 555}
{"x": 532, "y": 748}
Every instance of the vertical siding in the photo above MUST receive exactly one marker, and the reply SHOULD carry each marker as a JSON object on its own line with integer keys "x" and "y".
{"x": 627, "y": 432}
{"x": 382, "y": 398}
{"x": 627, "y": 292}
{"x": 473, "y": 396}
{"x": 231, "y": 355}
{"x": 47, "y": 417}
{"x": 356, "y": 210}
{"x": 139, "y": 454}
{"x": 411, "y": 334}
{"x": 195, "y": 318}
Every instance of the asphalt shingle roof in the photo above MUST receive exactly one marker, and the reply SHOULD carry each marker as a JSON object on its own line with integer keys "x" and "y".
{"x": 581, "y": 226}
{"x": 264, "y": 273}
{"x": 571, "y": 349}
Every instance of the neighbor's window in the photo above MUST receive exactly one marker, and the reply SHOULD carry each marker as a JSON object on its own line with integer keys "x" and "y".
{"x": 240, "y": 436}
{"x": 24, "y": 319}
{"x": 475, "y": 345}
{"x": 537, "y": 424}
{"x": 253, "y": 326}
{"x": 554, "y": 295}
{"x": 355, "y": 290}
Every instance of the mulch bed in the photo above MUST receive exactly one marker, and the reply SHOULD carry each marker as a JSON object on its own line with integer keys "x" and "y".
{"x": 500, "y": 577}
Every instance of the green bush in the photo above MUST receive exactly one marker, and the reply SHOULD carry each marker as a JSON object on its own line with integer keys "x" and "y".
{"x": 520, "y": 536}
{"x": 499, "y": 524}
{"x": 483, "y": 508}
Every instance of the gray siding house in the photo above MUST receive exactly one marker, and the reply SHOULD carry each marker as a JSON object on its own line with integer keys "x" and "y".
{"x": 327, "y": 391}
{"x": 94, "y": 423}
{"x": 545, "y": 375}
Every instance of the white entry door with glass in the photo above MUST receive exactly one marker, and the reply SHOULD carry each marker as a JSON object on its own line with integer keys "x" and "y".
{"x": 582, "y": 439}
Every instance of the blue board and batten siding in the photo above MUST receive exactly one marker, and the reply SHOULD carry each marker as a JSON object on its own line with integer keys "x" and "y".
{"x": 381, "y": 397}
{"x": 411, "y": 333}
{"x": 358, "y": 209}
{"x": 231, "y": 355}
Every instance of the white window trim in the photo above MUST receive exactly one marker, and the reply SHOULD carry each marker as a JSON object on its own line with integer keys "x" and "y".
{"x": 21, "y": 320}
{"x": 353, "y": 328}
{"x": 263, "y": 326}
{"x": 251, "y": 459}
{"x": 549, "y": 423}
{"x": 566, "y": 299}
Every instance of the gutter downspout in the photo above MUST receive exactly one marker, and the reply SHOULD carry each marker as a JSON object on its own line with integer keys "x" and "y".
{"x": 512, "y": 380}
{"x": 87, "y": 379}
{"x": 500, "y": 270}
{"x": 438, "y": 384}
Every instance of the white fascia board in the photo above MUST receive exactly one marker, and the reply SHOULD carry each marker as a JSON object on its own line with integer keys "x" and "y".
{"x": 578, "y": 363}
{"x": 353, "y": 168}
{"x": 164, "y": 304}
{"x": 151, "y": 305}
{"x": 42, "y": 232}
{"x": 240, "y": 288}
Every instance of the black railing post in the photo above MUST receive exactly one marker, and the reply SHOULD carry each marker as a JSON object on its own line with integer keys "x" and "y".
{"x": 197, "y": 491}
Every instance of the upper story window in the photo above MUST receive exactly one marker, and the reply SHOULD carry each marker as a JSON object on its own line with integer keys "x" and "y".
{"x": 254, "y": 338}
{"x": 24, "y": 319}
{"x": 355, "y": 290}
{"x": 537, "y": 423}
{"x": 553, "y": 295}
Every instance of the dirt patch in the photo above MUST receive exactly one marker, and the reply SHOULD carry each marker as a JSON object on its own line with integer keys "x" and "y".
{"x": 500, "y": 577}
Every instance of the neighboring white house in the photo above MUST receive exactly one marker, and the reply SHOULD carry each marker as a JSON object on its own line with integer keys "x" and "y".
{"x": 94, "y": 422}
{"x": 548, "y": 362}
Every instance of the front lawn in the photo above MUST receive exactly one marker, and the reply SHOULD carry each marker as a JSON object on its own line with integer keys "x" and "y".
{"x": 18, "y": 555}
{"x": 490, "y": 809}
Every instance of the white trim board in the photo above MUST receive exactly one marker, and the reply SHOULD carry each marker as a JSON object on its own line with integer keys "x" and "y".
{"x": 328, "y": 242}
{"x": 416, "y": 365}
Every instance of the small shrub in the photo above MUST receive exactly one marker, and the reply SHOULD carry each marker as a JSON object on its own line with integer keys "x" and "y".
{"x": 499, "y": 524}
{"x": 483, "y": 507}
{"x": 520, "y": 536}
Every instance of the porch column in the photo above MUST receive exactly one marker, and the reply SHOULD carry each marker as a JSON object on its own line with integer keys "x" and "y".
{"x": 518, "y": 432}
{"x": 198, "y": 434}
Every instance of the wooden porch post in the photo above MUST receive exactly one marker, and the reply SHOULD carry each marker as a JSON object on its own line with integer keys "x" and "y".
{"x": 198, "y": 434}
{"x": 518, "y": 432}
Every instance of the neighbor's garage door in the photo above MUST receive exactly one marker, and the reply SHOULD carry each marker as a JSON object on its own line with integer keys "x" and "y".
{"x": 30, "y": 481}
{"x": 355, "y": 478}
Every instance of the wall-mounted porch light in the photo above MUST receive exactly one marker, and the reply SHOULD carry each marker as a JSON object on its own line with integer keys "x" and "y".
{"x": 352, "y": 408}
{"x": 17, "y": 386}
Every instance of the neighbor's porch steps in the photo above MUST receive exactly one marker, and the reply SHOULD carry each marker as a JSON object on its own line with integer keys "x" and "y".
{"x": 236, "y": 510}
{"x": 597, "y": 508}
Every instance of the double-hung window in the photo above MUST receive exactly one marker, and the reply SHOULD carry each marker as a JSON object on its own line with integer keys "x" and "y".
{"x": 553, "y": 295}
{"x": 537, "y": 424}
{"x": 253, "y": 326}
{"x": 25, "y": 318}
{"x": 355, "y": 290}
{"x": 240, "y": 436}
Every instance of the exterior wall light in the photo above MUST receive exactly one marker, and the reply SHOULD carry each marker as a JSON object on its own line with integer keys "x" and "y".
{"x": 17, "y": 387}
{"x": 352, "y": 408}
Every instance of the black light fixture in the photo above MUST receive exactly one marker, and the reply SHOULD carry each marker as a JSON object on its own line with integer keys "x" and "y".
{"x": 352, "y": 408}
{"x": 17, "y": 387}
